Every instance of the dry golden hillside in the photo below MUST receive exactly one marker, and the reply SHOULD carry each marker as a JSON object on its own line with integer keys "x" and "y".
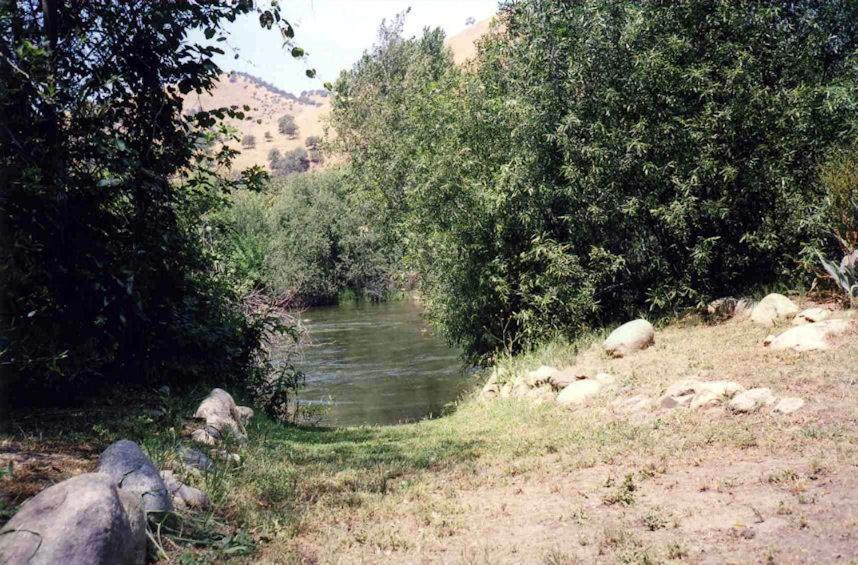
{"x": 464, "y": 44}
{"x": 267, "y": 106}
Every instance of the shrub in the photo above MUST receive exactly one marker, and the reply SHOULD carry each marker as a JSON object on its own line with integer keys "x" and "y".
{"x": 268, "y": 136}
{"x": 294, "y": 161}
{"x": 287, "y": 126}
{"x": 248, "y": 141}
{"x": 312, "y": 142}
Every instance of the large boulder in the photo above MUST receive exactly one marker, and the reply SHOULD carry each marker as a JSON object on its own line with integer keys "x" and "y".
{"x": 80, "y": 520}
{"x": 809, "y": 337}
{"x": 132, "y": 471}
{"x": 630, "y": 337}
{"x": 788, "y": 405}
{"x": 772, "y": 308}
{"x": 579, "y": 392}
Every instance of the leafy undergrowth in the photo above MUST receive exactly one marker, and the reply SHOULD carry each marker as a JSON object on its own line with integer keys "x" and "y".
{"x": 513, "y": 481}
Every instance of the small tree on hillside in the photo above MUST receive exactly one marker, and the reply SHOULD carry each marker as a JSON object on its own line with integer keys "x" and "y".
{"x": 268, "y": 136}
{"x": 312, "y": 142}
{"x": 287, "y": 126}
{"x": 295, "y": 161}
{"x": 248, "y": 141}
{"x": 273, "y": 157}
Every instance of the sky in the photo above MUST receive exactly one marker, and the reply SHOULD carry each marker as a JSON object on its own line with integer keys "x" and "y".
{"x": 335, "y": 33}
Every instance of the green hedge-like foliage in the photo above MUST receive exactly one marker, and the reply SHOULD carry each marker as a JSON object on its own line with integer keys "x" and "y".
{"x": 603, "y": 159}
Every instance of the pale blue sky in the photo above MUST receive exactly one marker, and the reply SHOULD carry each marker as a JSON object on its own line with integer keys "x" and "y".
{"x": 335, "y": 33}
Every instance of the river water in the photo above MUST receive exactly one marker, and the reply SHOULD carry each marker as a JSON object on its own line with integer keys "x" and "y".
{"x": 377, "y": 364}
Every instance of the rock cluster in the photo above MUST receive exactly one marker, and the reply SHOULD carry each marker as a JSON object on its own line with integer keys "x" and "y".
{"x": 697, "y": 394}
{"x": 85, "y": 519}
{"x": 101, "y": 517}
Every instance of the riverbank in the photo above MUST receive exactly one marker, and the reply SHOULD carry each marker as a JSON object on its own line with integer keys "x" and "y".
{"x": 515, "y": 481}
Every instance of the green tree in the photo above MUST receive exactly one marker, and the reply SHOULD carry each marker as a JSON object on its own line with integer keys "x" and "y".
{"x": 106, "y": 272}
{"x": 287, "y": 126}
{"x": 248, "y": 141}
{"x": 602, "y": 159}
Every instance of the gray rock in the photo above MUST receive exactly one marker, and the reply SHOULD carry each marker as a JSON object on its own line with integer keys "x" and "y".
{"x": 80, "y": 520}
{"x": 630, "y": 337}
{"x": 751, "y": 400}
{"x": 132, "y": 471}
{"x": 136, "y": 514}
{"x": 195, "y": 458}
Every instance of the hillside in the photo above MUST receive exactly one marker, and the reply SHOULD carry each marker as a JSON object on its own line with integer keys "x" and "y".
{"x": 268, "y": 104}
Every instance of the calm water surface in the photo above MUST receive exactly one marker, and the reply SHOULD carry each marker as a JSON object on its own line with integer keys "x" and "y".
{"x": 378, "y": 364}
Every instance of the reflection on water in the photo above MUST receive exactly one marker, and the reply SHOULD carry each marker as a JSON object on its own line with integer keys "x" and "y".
{"x": 378, "y": 364}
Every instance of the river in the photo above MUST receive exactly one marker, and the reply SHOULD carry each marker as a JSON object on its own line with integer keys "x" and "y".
{"x": 373, "y": 363}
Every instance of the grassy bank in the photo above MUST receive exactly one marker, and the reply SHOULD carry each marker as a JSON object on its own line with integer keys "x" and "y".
{"x": 513, "y": 481}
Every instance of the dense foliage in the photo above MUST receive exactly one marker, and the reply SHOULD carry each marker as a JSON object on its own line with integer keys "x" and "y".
{"x": 601, "y": 159}
{"x": 308, "y": 239}
{"x": 106, "y": 274}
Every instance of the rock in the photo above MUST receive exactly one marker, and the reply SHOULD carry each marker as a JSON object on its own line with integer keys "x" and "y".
{"x": 605, "y": 379}
{"x": 136, "y": 514}
{"x": 579, "y": 392}
{"x": 788, "y": 405}
{"x": 206, "y": 436}
{"x": 245, "y": 413}
{"x": 225, "y": 455}
{"x": 540, "y": 394}
{"x": 184, "y": 496}
{"x": 506, "y": 390}
{"x": 540, "y": 376}
{"x": 724, "y": 389}
{"x": 80, "y": 520}
{"x": 772, "y": 308}
{"x": 811, "y": 315}
{"x": 698, "y": 394}
{"x": 809, "y": 337}
{"x": 195, "y": 458}
{"x": 706, "y": 399}
{"x": 679, "y": 393}
{"x": 132, "y": 471}
{"x": 220, "y": 412}
{"x": 565, "y": 377}
{"x": 520, "y": 387}
{"x": 630, "y": 337}
{"x": 751, "y": 400}
{"x": 725, "y": 308}
{"x": 632, "y": 405}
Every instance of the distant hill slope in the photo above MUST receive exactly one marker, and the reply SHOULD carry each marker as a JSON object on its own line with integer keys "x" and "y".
{"x": 269, "y": 103}
{"x": 464, "y": 43}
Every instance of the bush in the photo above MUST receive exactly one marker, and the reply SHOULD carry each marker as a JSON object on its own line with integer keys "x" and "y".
{"x": 248, "y": 141}
{"x": 294, "y": 161}
{"x": 601, "y": 159}
{"x": 306, "y": 237}
{"x": 287, "y": 126}
{"x": 268, "y": 136}
{"x": 312, "y": 142}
